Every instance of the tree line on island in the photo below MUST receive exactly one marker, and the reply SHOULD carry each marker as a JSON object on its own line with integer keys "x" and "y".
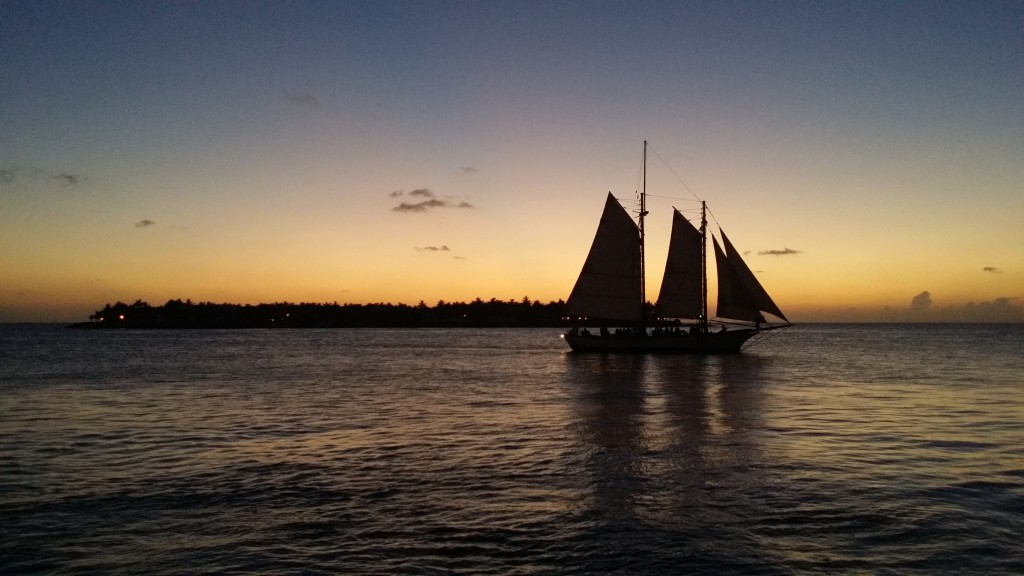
{"x": 187, "y": 314}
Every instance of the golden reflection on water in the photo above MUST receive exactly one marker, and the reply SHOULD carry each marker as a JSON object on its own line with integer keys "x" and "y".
{"x": 664, "y": 434}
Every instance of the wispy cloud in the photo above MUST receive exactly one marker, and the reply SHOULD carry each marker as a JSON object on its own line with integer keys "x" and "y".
{"x": 419, "y": 206}
{"x": 11, "y": 174}
{"x": 429, "y": 201}
{"x": 992, "y": 270}
{"x": 783, "y": 252}
{"x": 67, "y": 179}
{"x": 144, "y": 223}
{"x": 438, "y": 249}
{"x": 307, "y": 100}
{"x": 469, "y": 169}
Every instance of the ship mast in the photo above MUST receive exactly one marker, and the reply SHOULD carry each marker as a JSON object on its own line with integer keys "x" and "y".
{"x": 703, "y": 324}
{"x": 643, "y": 264}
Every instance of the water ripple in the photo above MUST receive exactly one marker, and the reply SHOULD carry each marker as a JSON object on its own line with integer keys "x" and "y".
{"x": 829, "y": 449}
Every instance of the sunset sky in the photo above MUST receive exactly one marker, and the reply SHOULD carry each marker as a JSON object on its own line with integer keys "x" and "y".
{"x": 864, "y": 153}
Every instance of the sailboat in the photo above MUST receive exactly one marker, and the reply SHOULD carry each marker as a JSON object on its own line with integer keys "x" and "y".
{"x": 609, "y": 294}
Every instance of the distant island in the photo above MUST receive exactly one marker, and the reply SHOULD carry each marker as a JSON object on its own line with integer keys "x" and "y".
{"x": 179, "y": 314}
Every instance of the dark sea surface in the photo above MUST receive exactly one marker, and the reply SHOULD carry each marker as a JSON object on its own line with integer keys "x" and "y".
{"x": 880, "y": 449}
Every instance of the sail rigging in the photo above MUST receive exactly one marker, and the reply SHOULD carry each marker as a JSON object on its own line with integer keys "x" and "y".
{"x": 610, "y": 288}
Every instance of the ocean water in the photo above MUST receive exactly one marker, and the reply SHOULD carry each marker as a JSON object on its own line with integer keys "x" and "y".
{"x": 875, "y": 449}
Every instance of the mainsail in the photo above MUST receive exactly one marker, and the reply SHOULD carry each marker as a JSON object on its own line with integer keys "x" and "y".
{"x": 609, "y": 285}
{"x": 680, "y": 295}
{"x": 740, "y": 295}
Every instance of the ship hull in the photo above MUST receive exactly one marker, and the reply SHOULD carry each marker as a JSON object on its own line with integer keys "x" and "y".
{"x": 728, "y": 342}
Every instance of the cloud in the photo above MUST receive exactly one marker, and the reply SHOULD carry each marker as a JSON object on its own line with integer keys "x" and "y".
{"x": 67, "y": 179}
{"x": 307, "y": 100}
{"x": 992, "y": 269}
{"x": 469, "y": 170}
{"x": 144, "y": 223}
{"x": 783, "y": 252}
{"x": 11, "y": 174}
{"x": 419, "y": 206}
{"x": 442, "y": 248}
{"x": 922, "y": 302}
{"x": 430, "y": 202}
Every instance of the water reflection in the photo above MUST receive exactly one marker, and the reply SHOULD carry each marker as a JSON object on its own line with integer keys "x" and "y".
{"x": 714, "y": 427}
{"x": 664, "y": 438}
{"x": 608, "y": 420}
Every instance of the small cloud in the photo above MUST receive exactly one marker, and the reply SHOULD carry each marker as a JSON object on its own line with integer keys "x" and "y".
{"x": 992, "y": 269}
{"x": 144, "y": 223}
{"x": 442, "y": 248}
{"x": 67, "y": 179}
{"x": 458, "y": 257}
{"x": 431, "y": 201}
{"x": 10, "y": 174}
{"x": 420, "y": 192}
{"x": 469, "y": 170}
{"x": 419, "y": 206}
{"x": 308, "y": 100}
{"x": 922, "y": 302}
{"x": 783, "y": 252}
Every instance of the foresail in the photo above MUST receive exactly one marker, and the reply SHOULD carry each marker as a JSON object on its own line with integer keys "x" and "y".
{"x": 733, "y": 301}
{"x": 680, "y": 295}
{"x": 740, "y": 295}
{"x": 609, "y": 284}
{"x": 758, "y": 294}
